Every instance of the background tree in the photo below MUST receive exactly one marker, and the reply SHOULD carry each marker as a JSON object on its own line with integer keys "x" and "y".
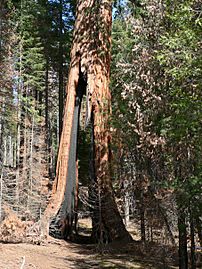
{"x": 155, "y": 79}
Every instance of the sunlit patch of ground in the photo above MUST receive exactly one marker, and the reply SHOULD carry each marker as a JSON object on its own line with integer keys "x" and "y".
{"x": 58, "y": 254}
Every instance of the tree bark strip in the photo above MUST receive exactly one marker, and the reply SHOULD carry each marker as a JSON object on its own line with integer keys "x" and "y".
{"x": 59, "y": 186}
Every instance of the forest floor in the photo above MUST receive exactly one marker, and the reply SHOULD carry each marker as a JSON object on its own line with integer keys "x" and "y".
{"x": 63, "y": 255}
{"x": 59, "y": 254}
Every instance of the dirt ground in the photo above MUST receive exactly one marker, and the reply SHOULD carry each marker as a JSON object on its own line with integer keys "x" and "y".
{"x": 59, "y": 254}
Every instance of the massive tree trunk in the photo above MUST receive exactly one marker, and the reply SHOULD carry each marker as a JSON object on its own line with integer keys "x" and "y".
{"x": 89, "y": 74}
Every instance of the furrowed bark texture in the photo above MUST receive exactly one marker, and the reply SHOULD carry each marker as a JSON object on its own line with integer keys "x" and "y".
{"x": 90, "y": 59}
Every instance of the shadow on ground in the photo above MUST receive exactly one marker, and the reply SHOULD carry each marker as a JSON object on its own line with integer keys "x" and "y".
{"x": 135, "y": 255}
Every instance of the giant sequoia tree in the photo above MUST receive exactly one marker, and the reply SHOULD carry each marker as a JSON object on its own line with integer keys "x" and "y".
{"x": 88, "y": 75}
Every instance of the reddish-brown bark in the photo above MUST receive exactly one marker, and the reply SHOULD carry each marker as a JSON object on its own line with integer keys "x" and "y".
{"x": 90, "y": 57}
{"x": 59, "y": 186}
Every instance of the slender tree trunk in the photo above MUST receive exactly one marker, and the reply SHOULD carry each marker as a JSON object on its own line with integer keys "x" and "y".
{"x": 183, "y": 256}
{"x": 126, "y": 208}
{"x": 60, "y": 73}
{"x": 18, "y": 141}
{"x": 199, "y": 229}
{"x": 30, "y": 174}
{"x": 192, "y": 233}
{"x": 90, "y": 62}
{"x": 142, "y": 217}
{"x": 5, "y": 151}
{"x": 47, "y": 122}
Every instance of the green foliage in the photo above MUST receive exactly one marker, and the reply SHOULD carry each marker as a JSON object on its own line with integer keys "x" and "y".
{"x": 31, "y": 59}
{"x": 180, "y": 58}
{"x": 156, "y": 90}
